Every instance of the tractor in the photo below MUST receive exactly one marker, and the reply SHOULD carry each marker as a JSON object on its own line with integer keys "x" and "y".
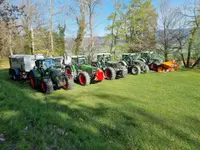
{"x": 134, "y": 63}
{"x": 80, "y": 70}
{"x": 152, "y": 59}
{"x": 156, "y": 63}
{"x": 47, "y": 77}
{"x": 112, "y": 69}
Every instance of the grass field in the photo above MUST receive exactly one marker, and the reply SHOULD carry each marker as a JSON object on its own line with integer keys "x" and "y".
{"x": 151, "y": 111}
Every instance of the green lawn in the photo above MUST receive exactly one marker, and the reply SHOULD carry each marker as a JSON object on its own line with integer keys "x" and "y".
{"x": 151, "y": 111}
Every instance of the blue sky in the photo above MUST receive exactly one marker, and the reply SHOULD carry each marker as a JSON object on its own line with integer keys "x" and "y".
{"x": 108, "y": 9}
{"x": 100, "y": 22}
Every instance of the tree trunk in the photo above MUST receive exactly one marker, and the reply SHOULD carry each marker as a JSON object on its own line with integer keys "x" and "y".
{"x": 197, "y": 61}
{"x": 183, "y": 59}
{"x": 50, "y": 27}
{"x": 81, "y": 31}
{"x": 10, "y": 41}
{"x": 191, "y": 40}
{"x": 32, "y": 41}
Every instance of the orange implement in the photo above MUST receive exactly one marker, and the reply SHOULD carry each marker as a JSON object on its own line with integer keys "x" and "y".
{"x": 168, "y": 66}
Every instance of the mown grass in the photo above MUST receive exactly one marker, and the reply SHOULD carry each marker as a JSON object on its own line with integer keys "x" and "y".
{"x": 152, "y": 111}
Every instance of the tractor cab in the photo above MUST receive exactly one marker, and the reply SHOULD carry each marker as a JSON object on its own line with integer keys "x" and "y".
{"x": 129, "y": 57}
{"x": 104, "y": 57}
{"x": 45, "y": 63}
{"x": 79, "y": 60}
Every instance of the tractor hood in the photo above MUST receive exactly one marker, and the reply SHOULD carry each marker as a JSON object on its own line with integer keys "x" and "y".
{"x": 54, "y": 72}
{"x": 113, "y": 64}
{"x": 88, "y": 68}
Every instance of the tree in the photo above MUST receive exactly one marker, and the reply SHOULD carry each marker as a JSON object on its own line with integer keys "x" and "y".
{"x": 79, "y": 10}
{"x": 168, "y": 23}
{"x": 8, "y": 15}
{"x": 133, "y": 24}
{"x": 30, "y": 18}
{"x": 92, "y": 5}
{"x": 192, "y": 11}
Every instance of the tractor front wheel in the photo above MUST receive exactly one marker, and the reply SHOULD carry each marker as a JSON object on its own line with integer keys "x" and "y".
{"x": 84, "y": 78}
{"x": 110, "y": 73}
{"x": 69, "y": 83}
{"x": 124, "y": 71}
{"x": 32, "y": 80}
{"x": 146, "y": 69}
{"x": 47, "y": 86}
{"x": 135, "y": 70}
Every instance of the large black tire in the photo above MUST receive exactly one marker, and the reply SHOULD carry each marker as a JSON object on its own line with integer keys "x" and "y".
{"x": 110, "y": 73}
{"x": 146, "y": 69}
{"x": 32, "y": 80}
{"x": 135, "y": 70}
{"x": 124, "y": 71}
{"x": 69, "y": 83}
{"x": 47, "y": 86}
{"x": 84, "y": 78}
{"x": 11, "y": 74}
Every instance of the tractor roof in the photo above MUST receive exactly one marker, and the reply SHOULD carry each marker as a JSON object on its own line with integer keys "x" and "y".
{"x": 104, "y": 54}
{"x": 149, "y": 52}
{"x": 24, "y": 55}
{"x": 129, "y": 54}
{"x": 78, "y": 56}
{"x": 58, "y": 57}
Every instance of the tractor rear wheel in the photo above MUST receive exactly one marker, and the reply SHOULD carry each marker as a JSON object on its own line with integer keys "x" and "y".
{"x": 32, "y": 80}
{"x": 47, "y": 86}
{"x": 84, "y": 78}
{"x": 135, "y": 70}
{"x": 11, "y": 74}
{"x": 69, "y": 83}
{"x": 124, "y": 71}
{"x": 110, "y": 73}
{"x": 146, "y": 69}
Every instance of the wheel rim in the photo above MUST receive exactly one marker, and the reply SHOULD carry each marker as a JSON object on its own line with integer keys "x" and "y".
{"x": 43, "y": 87}
{"x": 134, "y": 70}
{"x": 82, "y": 79}
{"x": 68, "y": 71}
{"x": 32, "y": 82}
{"x": 108, "y": 74}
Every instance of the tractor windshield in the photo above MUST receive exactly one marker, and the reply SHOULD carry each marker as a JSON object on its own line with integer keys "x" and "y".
{"x": 47, "y": 63}
{"x": 82, "y": 60}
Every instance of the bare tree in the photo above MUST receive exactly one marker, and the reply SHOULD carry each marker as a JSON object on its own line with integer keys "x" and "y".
{"x": 79, "y": 10}
{"x": 92, "y": 5}
{"x": 191, "y": 11}
{"x": 51, "y": 25}
{"x": 30, "y": 18}
{"x": 167, "y": 23}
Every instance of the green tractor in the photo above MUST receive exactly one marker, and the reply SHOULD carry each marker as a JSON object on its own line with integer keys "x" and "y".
{"x": 134, "y": 63}
{"x": 152, "y": 59}
{"x": 82, "y": 72}
{"x": 112, "y": 69}
{"x": 47, "y": 77}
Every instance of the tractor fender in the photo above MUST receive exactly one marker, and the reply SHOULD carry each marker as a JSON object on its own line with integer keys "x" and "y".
{"x": 138, "y": 63}
{"x": 123, "y": 63}
{"x": 35, "y": 73}
{"x": 142, "y": 59}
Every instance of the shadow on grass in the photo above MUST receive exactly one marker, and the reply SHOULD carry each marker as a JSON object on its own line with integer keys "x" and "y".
{"x": 35, "y": 122}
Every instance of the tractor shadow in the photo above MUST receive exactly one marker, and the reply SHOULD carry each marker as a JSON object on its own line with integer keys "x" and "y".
{"x": 32, "y": 121}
